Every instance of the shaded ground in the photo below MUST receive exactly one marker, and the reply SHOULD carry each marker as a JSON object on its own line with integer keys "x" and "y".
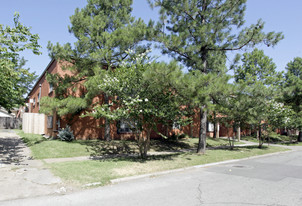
{"x": 20, "y": 175}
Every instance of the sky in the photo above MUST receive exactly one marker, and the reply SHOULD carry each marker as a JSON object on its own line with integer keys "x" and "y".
{"x": 50, "y": 19}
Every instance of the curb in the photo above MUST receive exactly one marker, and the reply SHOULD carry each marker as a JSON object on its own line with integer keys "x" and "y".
{"x": 150, "y": 175}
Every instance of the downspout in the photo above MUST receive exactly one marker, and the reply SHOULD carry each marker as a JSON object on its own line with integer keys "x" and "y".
{"x": 40, "y": 85}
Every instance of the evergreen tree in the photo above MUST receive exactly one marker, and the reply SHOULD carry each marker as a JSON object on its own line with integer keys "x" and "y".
{"x": 104, "y": 30}
{"x": 256, "y": 66}
{"x": 293, "y": 91}
{"x": 198, "y": 33}
{"x": 260, "y": 82}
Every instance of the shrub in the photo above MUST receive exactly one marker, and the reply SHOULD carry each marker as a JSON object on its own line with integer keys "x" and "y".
{"x": 66, "y": 134}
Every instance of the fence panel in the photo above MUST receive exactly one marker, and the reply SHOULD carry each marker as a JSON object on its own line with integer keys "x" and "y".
{"x": 33, "y": 123}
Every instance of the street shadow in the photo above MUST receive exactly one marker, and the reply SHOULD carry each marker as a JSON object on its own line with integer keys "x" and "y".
{"x": 137, "y": 158}
{"x": 11, "y": 151}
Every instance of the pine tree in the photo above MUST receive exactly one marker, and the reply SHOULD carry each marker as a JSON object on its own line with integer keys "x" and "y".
{"x": 293, "y": 91}
{"x": 259, "y": 80}
{"x": 104, "y": 30}
{"x": 198, "y": 33}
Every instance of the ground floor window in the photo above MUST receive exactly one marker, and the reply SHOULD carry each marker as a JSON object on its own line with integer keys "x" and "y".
{"x": 210, "y": 127}
{"x": 125, "y": 126}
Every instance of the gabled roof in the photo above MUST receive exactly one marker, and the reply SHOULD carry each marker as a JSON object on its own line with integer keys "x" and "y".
{"x": 44, "y": 72}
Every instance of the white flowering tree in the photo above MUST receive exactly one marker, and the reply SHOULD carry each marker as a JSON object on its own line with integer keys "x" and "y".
{"x": 281, "y": 116}
{"x": 139, "y": 98}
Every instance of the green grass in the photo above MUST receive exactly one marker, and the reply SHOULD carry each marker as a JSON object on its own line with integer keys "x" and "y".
{"x": 90, "y": 171}
{"x": 276, "y": 139}
{"x": 291, "y": 144}
{"x": 84, "y": 172}
{"x": 43, "y": 148}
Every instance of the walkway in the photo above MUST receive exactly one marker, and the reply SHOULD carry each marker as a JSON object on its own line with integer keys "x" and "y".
{"x": 20, "y": 175}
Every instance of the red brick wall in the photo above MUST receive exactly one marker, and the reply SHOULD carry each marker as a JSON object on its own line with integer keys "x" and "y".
{"x": 89, "y": 128}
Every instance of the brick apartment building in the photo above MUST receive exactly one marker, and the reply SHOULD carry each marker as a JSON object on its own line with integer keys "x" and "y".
{"x": 90, "y": 128}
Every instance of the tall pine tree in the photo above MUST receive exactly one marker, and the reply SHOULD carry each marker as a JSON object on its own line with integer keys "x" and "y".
{"x": 104, "y": 30}
{"x": 198, "y": 33}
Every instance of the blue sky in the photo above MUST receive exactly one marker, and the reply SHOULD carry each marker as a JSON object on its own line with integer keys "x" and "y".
{"x": 50, "y": 19}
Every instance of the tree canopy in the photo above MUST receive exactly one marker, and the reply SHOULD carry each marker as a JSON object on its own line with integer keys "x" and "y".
{"x": 198, "y": 33}
{"x": 15, "y": 81}
{"x": 104, "y": 30}
{"x": 293, "y": 91}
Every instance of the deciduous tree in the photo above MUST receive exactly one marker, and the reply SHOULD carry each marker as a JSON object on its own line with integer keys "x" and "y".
{"x": 142, "y": 98}
{"x": 15, "y": 80}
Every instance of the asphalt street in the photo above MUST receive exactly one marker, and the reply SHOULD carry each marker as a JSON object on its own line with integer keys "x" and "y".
{"x": 271, "y": 180}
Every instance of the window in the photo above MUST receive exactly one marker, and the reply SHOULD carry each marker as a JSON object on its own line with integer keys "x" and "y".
{"x": 39, "y": 96}
{"x": 210, "y": 127}
{"x": 125, "y": 126}
{"x": 34, "y": 101}
{"x": 50, "y": 87}
{"x": 175, "y": 125}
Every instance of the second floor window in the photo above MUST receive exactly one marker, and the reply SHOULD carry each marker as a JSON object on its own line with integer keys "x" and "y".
{"x": 50, "y": 87}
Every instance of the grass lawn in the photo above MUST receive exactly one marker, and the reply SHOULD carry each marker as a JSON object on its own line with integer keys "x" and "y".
{"x": 276, "y": 139}
{"x": 90, "y": 171}
{"x": 42, "y": 148}
{"x": 84, "y": 172}
{"x": 292, "y": 144}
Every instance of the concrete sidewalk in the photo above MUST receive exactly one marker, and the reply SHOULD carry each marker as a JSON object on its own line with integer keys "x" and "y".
{"x": 20, "y": 175}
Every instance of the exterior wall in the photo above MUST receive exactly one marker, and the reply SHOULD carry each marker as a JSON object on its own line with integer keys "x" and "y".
{"x": 89, "y": 128}
{"x": 34, "y": 94}
{"x": 43, "y": 87}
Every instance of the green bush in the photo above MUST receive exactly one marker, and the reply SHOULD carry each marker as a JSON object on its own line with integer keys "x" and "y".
{"x": 66, "y": 134}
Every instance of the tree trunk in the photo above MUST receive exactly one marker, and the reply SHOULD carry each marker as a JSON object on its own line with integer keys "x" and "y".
{"x": 107, "y": 123}
{"x": 217, "y": 130}
{"x": 260, "y": 137}
{"x": 202, "y": 131}
{"x": 144, "y": 144}
{"x": 238, "y": 133}
{"x": 215, "y": 125}
{"x": 147, "y": 144}
{"x": 203, "y": 113}
{"x": 300, "y": 136}
{"x": 214, "y": 133}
